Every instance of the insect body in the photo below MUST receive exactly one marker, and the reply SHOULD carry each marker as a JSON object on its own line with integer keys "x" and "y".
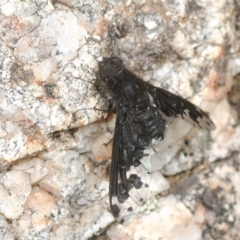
{"x": 141, "y": 112}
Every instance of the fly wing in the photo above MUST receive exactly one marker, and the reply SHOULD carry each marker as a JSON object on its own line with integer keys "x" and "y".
{"x": 174, "y": 106}
{"x": 130, "y": 167}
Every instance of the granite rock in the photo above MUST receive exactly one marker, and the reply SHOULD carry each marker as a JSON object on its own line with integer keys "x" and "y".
{"x": 55, "y": 145}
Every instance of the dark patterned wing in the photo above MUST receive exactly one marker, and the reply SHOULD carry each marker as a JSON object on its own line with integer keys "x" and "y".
{"x": 130, "y": 167}
{"x": 174, "y": 106}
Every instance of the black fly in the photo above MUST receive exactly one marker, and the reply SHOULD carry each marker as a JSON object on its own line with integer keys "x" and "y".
{"x": 141, "y": 113}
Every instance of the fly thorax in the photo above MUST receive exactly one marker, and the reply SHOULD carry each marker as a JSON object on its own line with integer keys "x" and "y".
{"x": 133, "y": 92}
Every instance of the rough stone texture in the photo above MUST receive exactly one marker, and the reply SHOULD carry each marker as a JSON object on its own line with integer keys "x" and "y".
{"x": 55, "y": 149}
{"x": 202, "y": 205}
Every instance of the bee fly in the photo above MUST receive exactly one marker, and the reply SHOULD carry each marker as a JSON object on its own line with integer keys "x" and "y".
{"x": 141, "y": 112}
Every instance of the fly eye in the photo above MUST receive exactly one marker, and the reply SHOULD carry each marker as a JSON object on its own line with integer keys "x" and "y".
{"x": 107, "y": 71}
{"x": 111, "y": 68}
{"x": 116, "y": 61}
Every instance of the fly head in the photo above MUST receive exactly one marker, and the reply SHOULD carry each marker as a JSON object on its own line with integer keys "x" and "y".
{"x": 110, "y": 68}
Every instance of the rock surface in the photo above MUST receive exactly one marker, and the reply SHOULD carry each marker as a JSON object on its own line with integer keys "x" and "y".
{"x": 55, "y": 149}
